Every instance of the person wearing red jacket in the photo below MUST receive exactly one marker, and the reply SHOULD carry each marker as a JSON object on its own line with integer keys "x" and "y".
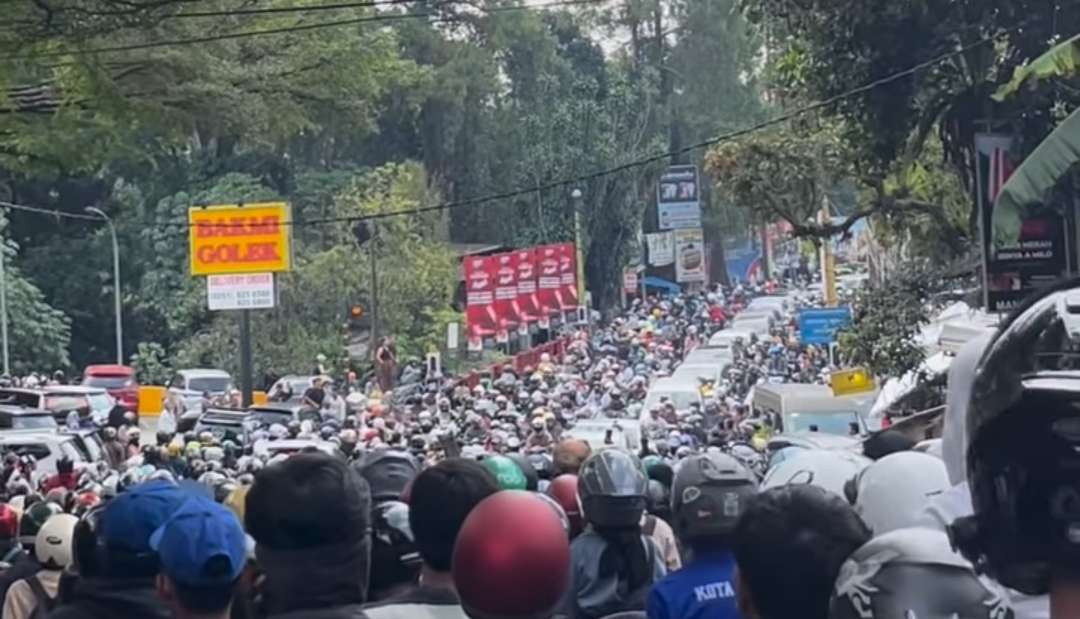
{"x": 64, "y": 478}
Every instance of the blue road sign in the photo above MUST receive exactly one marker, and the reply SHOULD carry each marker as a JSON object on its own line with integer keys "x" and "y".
{"x": 819, "y": 326}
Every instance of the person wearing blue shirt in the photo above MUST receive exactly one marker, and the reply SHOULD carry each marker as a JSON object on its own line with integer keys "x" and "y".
{"x": 709, "y": 494}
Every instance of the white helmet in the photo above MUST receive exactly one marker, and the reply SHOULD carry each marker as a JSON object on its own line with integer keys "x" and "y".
{"x": 52, "y": 545}
{"x": 892, "y": 492}
{"x": 830, "y": 470}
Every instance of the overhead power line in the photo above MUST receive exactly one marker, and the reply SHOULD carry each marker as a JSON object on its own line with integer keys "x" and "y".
{"x": 387, "y": 17}
{"x": 46, "y": 211}
{"x": 486, "y": 199}
{"x": 275, "y": 10}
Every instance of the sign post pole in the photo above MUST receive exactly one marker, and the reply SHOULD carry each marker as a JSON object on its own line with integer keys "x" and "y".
{"x": 245, "y": 358}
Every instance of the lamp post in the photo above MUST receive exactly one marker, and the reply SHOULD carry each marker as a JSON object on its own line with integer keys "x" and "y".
{"x": 575, "y": 195}
{"x": 116, "y": 281}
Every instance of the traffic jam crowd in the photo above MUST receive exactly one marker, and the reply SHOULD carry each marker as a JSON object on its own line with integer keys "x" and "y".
{"x": 571, "y": 490}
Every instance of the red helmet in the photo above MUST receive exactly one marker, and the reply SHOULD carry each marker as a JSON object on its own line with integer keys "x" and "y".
{"x": 9, "y": 522}
{"x": 512, "y": 558}
{"x": 564, "y": 490}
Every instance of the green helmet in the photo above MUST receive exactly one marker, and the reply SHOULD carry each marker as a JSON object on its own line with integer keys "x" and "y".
{"x": 33, "y": 518}
{"x": 650, "y": 461}
{"x": 506, "y": 472}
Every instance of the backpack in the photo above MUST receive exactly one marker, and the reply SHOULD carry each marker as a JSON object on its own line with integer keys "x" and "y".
{"x": 45, "y": 604}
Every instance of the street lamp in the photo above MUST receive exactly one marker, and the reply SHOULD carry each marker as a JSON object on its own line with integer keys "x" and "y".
{"x": 575, "y": 195}
{"x": 116, "y": 281}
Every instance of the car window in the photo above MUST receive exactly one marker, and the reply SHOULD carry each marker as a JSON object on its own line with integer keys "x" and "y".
{"x": 73, "y": 453}
{"x": 39, "y": 451}
{"x": 20, "y": 398}
{"x": 91, "y": 445}
{"x": 29, "y": 422}
{"x": 213, "y": 384}
{"x": 109, "y": 382}
{"x": 101, "y": 402}
{"x": 177, "y": 382}
{"x": 66, "y": 402}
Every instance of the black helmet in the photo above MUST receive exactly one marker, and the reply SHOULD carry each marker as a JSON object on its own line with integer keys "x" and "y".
{"x": 612, "y": 489}
{"x": 914, "y": 573}
{"x": 709, "y": 494}
{"x": 88, "y": 552}
{"x": 543, "y": 465}
{"x": 388, "y": 472}
{"x": 532, "y": 478}
{"x": 394, "y": 558}
{"x": 33, "y": 518}
{"x": 1023, "y": 445}
{"x": 659, "y": 498}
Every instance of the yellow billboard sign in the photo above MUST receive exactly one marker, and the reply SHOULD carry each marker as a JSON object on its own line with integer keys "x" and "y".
{"x": 854, "y": 380}
{"x": 230, "y": 238}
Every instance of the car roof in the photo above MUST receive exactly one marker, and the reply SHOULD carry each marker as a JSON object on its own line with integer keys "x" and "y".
{"x": 25, "y": 436}
{"x": 197, "y": 372}
{"x": 672, "y": 383}
{"x": 282, "y": 408}
{"x": 109, "y": 368}
{"x": 72, "y": 390}
{"x": 11, "y": 409}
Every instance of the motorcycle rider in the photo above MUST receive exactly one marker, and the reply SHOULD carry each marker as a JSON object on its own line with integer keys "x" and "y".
{"x": 710, "y": 492}
{"x": 36, "y": 595}
{"x": 613, "y": 565}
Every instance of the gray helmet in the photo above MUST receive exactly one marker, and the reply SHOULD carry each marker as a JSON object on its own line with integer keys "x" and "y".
{"x": 612, "y": 488}
{"x": 914, "y": 573}
{"x": 709, "y": 494}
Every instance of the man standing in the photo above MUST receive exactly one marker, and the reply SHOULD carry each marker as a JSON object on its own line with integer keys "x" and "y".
{"x": 386, "y": 364}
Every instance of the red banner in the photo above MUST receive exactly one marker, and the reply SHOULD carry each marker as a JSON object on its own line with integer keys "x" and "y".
{"x": 506, "y": 305}
{"x": 548, "y": 279}
{"x": 480, "y": 296}
{"x": 527, "y": 300}
{"x": 568, "y": 300}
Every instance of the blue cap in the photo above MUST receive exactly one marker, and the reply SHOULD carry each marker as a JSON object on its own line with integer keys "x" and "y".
{"x": 134, "y": 514}
{"x": 192, "y": 544}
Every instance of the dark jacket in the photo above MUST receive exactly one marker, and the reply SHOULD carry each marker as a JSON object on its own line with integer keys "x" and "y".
{"x": 349, "y": 611}
{"x": 22, "y": 566}
{"x": 96, "y": 598}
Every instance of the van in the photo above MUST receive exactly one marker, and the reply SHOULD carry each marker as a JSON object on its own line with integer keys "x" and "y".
{"x": 813, "y": 408}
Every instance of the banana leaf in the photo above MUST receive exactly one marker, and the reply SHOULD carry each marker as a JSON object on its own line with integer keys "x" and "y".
{"x": 1032, "y": 184}
{"x": 1062, "y": 60}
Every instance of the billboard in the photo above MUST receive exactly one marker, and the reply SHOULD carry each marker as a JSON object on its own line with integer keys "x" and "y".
{"x": 229, "y": 238}
{"x": 568, "y": 292}
{"x": 689, "y": 256}
{"x": 528, "y": 302}
{"x": 548, "y": 279}
{"x": 480, "y": 296}
{"x": 1022, "y": 257}
{"x": 506, "y": 305}
{"x": 661, "y": 248}
{"x": 678, "y": 204}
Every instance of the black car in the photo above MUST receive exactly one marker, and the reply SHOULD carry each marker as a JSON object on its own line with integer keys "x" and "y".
{"x": 223, "y": 423}
{"x": 19, "y": 418}
{"x": 266, "y": 415}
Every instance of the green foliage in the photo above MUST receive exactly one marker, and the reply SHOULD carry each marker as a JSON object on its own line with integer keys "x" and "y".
{"x": 150, "y": 363}
{"x": 38, "y": 334}
{"x": 887, "y": 319}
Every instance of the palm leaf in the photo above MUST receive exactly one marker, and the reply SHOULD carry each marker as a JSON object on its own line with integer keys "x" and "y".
{"x": 1032, "y": 182}
{"x": 1062, "y": 60}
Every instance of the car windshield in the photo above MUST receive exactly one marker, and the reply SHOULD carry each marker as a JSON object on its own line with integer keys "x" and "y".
{"x": 681, "y": 399}
{"x": 100, "y": 401}
{"x": 89, "y": 445}
{"x": 838, "y": 422}
{"x": 32, "y": 422}
{"x": 66, "y": 402}
{"x": 213, "y": 384}
{"x": 267, "y": 418}
{"x": 108, "y": 381}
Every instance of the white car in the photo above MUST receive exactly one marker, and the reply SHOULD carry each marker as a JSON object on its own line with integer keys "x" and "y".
{"x": 761, "y": 325}
{"x": 681, "y": 392}
{"x": 46, "y": 447}
{"x": 185, "y": 393}
{"x": 60, "y": 400}
{"x": 727, "y": 338}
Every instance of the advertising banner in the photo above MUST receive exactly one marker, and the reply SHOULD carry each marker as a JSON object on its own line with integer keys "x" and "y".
{"x": 228, "y": 238}
{"x": 819, "y": 326}
{"x": 689, "y": 256}
{"x": 1022, "y": 257}
{"x": 568, "y": 293}
{"x": 528, "y": 301}
{"x": 506, "y": 306}
{"x": 548, "y": 279}
{"x": 480, "y": 296}
{"x": 677, "y": 202}
{"x": 661, "y": 248}
{"x": 242, "y": 291}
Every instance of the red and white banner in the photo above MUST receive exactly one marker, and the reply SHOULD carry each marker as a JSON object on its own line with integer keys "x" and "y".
{"x": 480, "y": 296}
{"x": 528, "y": 301}
{"x": 548, "y": 279}
{"x": 506, "y": 304}
{"x": 568, "y": 300}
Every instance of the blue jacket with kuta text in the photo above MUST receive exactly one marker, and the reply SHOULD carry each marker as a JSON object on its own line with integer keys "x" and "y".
{"x": 703, "y": 589}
